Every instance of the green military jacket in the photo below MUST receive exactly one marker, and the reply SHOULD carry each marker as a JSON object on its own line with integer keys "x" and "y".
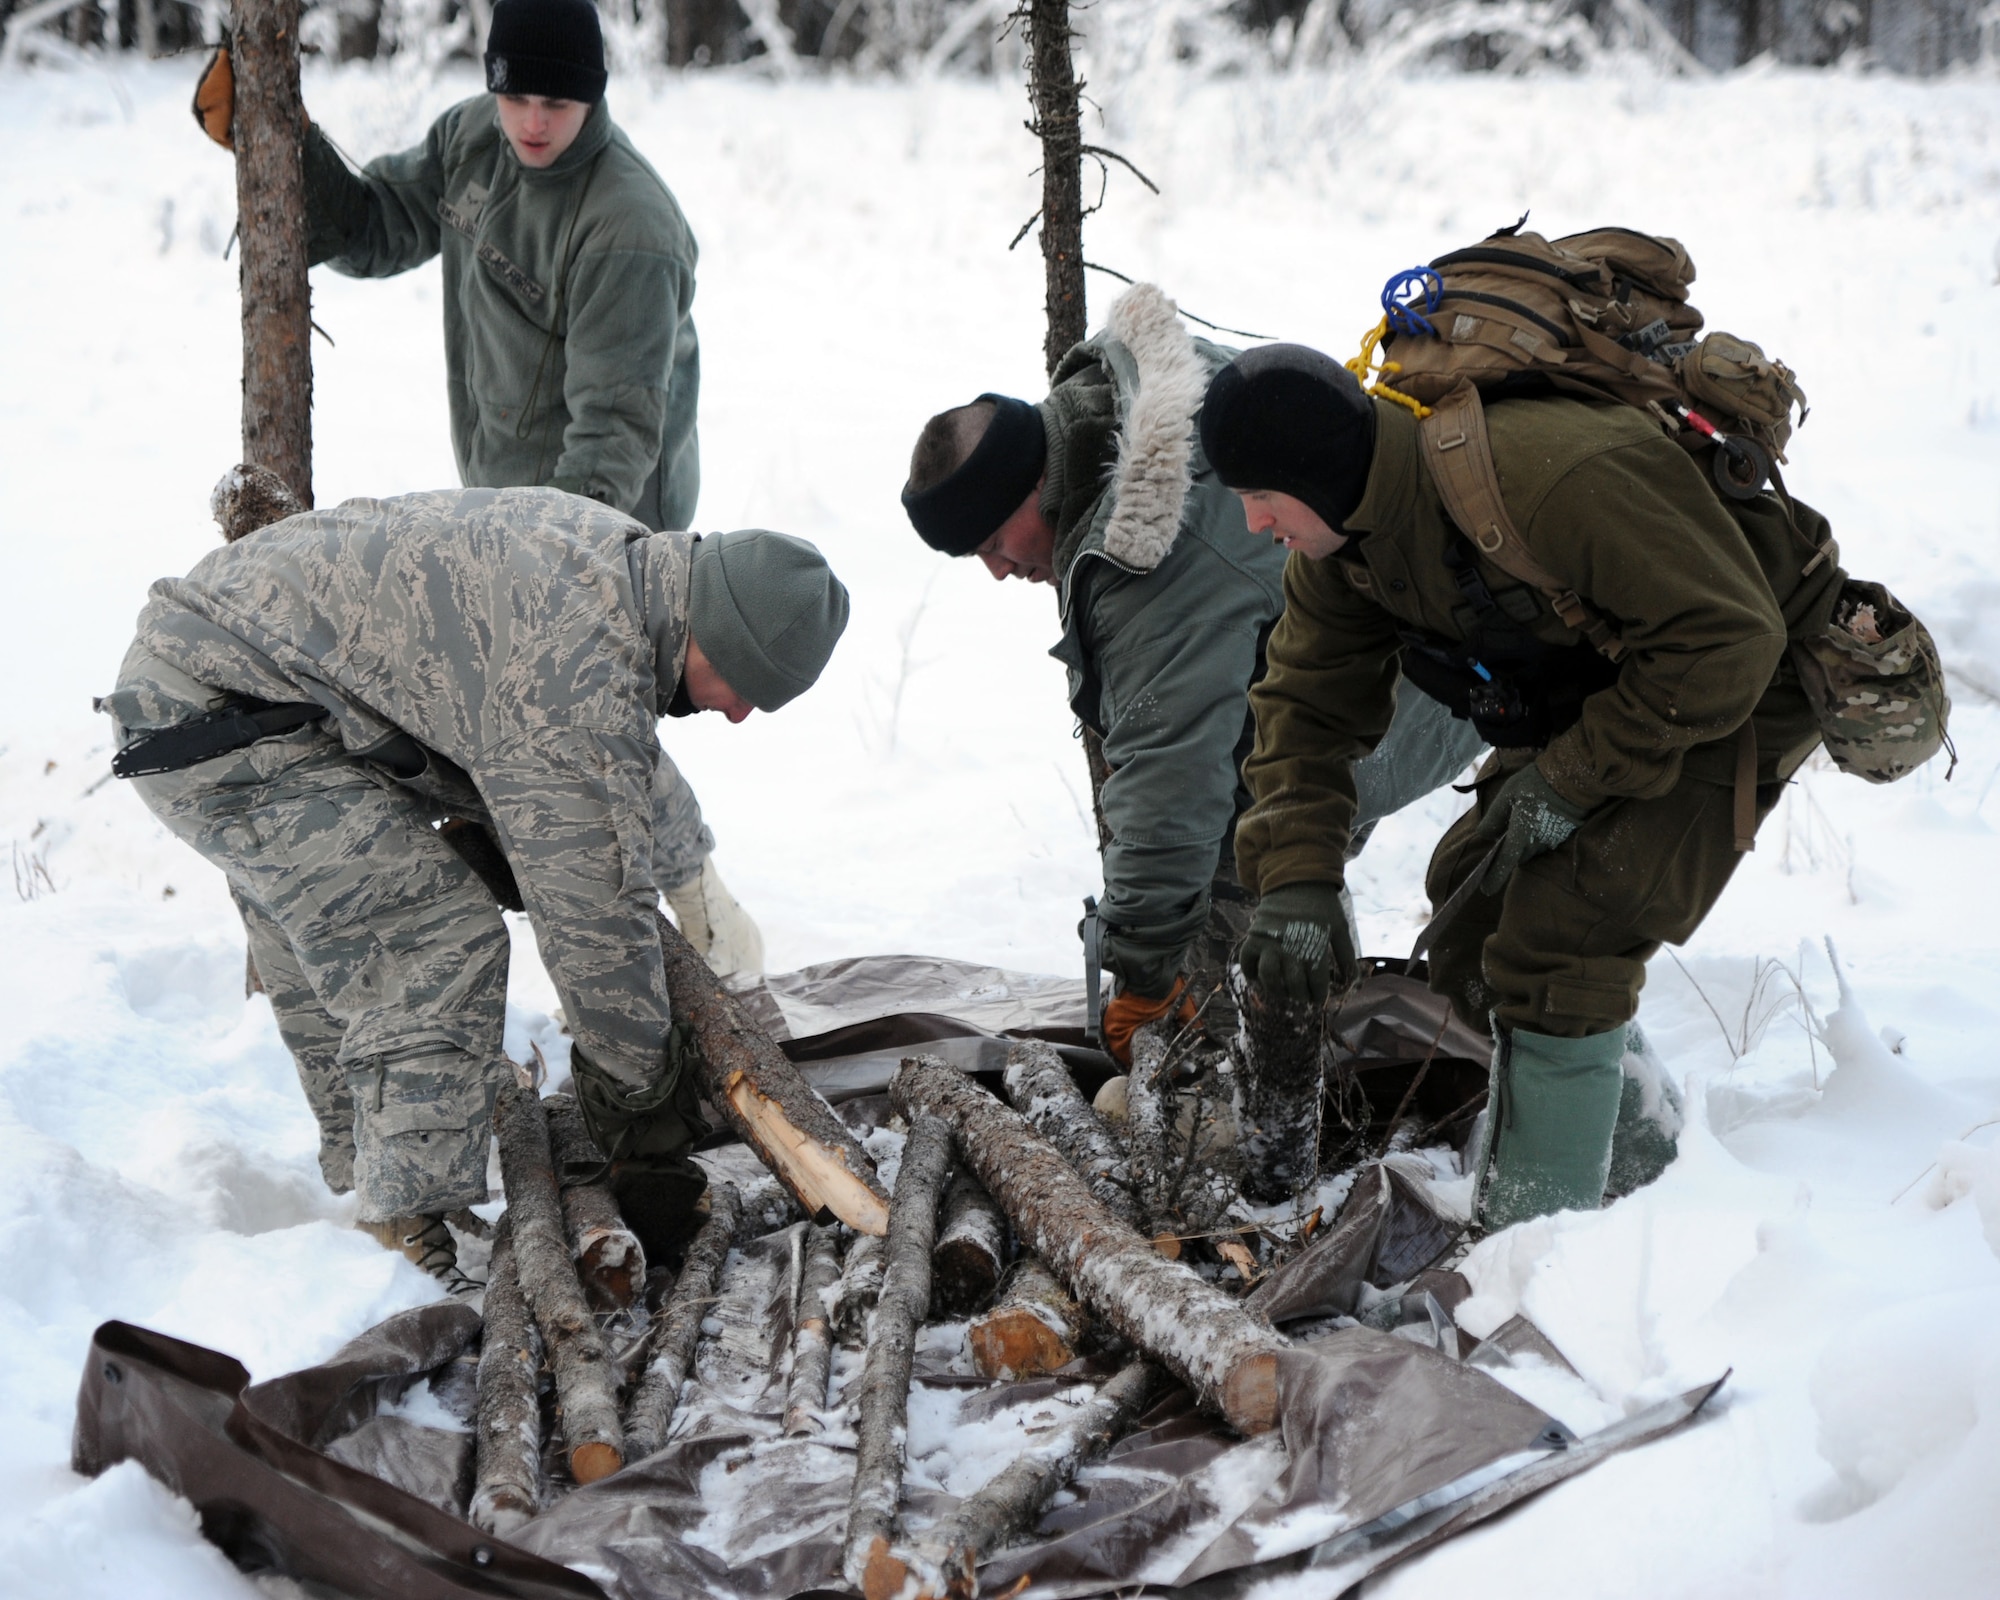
{"x": 1704, "y": 596}
{"x": 569, "y": 340}
{"x": 529, "y": 641}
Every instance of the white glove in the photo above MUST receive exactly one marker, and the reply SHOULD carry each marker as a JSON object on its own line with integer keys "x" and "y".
{"x": 720, "y": 930}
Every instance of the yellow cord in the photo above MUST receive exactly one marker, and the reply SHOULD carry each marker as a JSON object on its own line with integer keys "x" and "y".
{"x": 1370, "y": 368}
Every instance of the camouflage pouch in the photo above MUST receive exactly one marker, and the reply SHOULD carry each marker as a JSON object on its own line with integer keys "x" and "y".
{"x": 1733, "y": 379}
{"x": 1876, "y": 685}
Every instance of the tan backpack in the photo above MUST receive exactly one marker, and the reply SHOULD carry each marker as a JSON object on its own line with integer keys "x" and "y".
{"x": 1605, "y": 315}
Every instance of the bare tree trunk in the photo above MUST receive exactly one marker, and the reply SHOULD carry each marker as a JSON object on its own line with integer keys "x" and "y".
{"x": 1059, "y": 125}
{"x": 508, "y": 1471}
{"x": 812, "y": 1336}
{"x": 945, "y": 1562}
{"x": 1196, "y": 1332}
{"x": 773, "y": 1110}
{"x": 1035, "y": 1328}
{"x": 1280, "y": 1088}
{"x": 971, "y": 1248}
{"x": 269, "y": 133}
{"x": 610, "y": 1261}
{"x": 679, "y": 1329}
{"x": 883, "y": 1398}
{"x": 586, "y": 1388}
{"x": 1040, "y": 1088}
{"x": 860, "y": 1285}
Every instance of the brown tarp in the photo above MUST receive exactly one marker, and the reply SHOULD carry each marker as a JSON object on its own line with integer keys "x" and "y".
{"x": 1386, "y": 1442}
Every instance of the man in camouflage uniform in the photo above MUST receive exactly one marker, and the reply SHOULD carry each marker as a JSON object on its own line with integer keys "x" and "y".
{"x": 494, "y": 655}
{"x": 1608, "y": 818}
{"x": 1165, "y": 604}
{"x": 570, "y": 347}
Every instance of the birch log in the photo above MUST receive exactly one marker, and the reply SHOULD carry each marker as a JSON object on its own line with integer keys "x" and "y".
{"x": 860, "y": 1285}
{"x": 971, "y": 1248}
{"x": 812, "y": 1334}
{"x": 609, "y": 1260}
{"x": 678, "y": 1330}
{"x": 773, "y": 1110}
{"x": 945, "y": 1562}
{"x": 1035, "y": 1327}
{"x": 1193, "y": 1329}
{"x": 1148, "y": 1123}
{"x": 586, "y": 1388}
{"x": 883, "y": 1398}
{"x": 1279, "y": 1091}
{"x": 1040, "y": 1088}
{"x": 507, "y": 1475}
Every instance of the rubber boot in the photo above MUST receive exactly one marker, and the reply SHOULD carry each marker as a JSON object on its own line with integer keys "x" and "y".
{"x": 1556, "y": 1103}
{"x": 720, "y": 930}
{"x": 1650, "y": 1118}
{"x": 426, "y": 1242}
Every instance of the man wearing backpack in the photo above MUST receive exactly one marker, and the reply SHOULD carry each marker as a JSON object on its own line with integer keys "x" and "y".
{"x": 569, "y": 277}
{"x": 1165, "y": 606}
{"x": 1619, "y": 795}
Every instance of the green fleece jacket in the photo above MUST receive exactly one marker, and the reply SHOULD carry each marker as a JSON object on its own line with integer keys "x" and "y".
{"x": 1704, "y": 596}
{"x": 569, "y": 341}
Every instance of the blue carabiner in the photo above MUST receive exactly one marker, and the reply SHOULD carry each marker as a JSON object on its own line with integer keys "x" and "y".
{"x": 1402, "y": 294}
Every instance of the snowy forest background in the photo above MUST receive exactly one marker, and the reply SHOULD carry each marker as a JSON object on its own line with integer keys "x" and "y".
{"x": 1918, "y": 37}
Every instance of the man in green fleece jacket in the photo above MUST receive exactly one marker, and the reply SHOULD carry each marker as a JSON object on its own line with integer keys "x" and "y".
{"x": 1607, "y": 820}
{"x": 1165, "y": 604}
{"x": 570, "y": 348}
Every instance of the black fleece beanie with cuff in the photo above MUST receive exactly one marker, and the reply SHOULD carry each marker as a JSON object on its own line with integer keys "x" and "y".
{"x": 1289, "y": 418}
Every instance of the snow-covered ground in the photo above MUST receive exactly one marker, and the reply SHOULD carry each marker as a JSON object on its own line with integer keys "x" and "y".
{"x": 1832, "y": 1227}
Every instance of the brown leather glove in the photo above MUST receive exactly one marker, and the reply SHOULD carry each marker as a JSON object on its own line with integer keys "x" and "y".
{"x": 1129, "y": 1012}
{"x": 215, "y": 98}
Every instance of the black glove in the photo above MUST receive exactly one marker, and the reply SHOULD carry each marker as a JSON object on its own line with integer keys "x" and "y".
{"x": 658, "y": 1123}
{"x": 1529, "y": 819}
{"x": 1298, "y": 940}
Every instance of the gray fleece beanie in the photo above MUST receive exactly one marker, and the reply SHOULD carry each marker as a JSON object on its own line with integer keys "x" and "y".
{"x": 767, "y": 611}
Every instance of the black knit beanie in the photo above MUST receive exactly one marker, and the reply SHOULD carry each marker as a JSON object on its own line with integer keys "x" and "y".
{"x": 1288, "y": 418}
{"x": 546, "y": 47}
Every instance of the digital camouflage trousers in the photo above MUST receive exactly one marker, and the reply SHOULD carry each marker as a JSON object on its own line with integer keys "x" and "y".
{"x": 384, "y": 956}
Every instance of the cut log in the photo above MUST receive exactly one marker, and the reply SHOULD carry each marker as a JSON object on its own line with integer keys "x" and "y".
{"x": 945, "y": 1561}
{"x": 774, "y": 1111}
{"x": 971, "y": 1248}
{"x": 1149, "y": 1120}
{"x": 1279, "y": 1090}
{"x": 248, "y": 497}
{"x": 609, "y": 1260}
{"x": 883, "y": 1397}
{"x": 812, "y": 1333}
{"x": 1192, "y": 1328}
{"x": 586, "y": 1384}
{"x": 678, "y": 1330}
{"x": 1035, "y": 1328}
{"x": 1041, "y": 1089}
{"x": 507, "y": 1475}
{"x": 860, "y": 1285}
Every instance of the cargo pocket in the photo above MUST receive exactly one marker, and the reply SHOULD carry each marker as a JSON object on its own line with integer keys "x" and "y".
{"x": 1875, "y": 684}
{"x": 419, "y": 1156}
{"x": 1598, "y": 1005}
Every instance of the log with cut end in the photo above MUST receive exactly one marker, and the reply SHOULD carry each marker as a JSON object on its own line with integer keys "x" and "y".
{"x": 586, "y": 1380}
{"x": 1193, "y": 1329}
{"x": 1040, "y": 1088}
{"x": 1035, "y": 1327}
{"x": 774, "y": 1111}
{"x": 945, "y": 1561}
{"x": 812, "y": 1333}
{"x": 1278, "y": 1095}
{"x": 860, "y": 1284}
{"x": 507, "y": 1471}
{"x": 883, "y": 1395}
{"x": 1149, "y": 1119}
{"x": 678, "y": 1330}
{"x": 609, "y": 1259}
{"x": 971, "y": 1248}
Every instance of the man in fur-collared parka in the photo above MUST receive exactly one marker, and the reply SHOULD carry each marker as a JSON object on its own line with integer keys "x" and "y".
{"x": 1166, "y": 603}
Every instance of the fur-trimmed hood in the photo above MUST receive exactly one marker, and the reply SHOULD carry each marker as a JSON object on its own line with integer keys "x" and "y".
{"x": 1156, "y": 439}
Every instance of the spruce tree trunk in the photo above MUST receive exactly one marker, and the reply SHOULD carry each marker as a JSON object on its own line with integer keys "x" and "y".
{"x": 269, "y": 135}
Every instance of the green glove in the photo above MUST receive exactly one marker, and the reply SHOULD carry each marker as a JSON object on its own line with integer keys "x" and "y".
{"x": 1297, "y": 940}
{"x": 1529, "y": 819}
{"x": 659, "y": 1123}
